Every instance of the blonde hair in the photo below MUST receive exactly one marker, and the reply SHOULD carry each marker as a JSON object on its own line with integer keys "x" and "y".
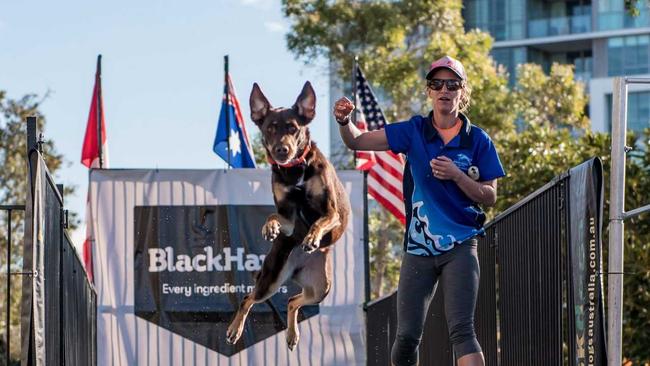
{"x": 465, "y": 97}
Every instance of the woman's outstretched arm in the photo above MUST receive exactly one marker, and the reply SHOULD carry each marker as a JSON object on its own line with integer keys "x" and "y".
{"x": 350, "y": 134}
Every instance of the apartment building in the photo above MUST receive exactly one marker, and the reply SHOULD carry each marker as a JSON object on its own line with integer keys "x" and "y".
{"x": 600, "y": 38}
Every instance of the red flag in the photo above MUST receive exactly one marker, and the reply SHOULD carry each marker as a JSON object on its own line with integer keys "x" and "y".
{"x": 385, "y": 168}
{"x": 94, "y": 155}
{"x": 90, "y": 149}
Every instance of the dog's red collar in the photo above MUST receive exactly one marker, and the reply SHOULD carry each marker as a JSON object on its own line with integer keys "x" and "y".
{"x": 293, "y": 162}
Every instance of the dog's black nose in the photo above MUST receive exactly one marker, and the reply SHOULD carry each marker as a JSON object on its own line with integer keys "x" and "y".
{"x": 282, "y": 150}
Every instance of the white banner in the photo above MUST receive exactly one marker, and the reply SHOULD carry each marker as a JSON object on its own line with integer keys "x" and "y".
{"x": 162, "y": 332}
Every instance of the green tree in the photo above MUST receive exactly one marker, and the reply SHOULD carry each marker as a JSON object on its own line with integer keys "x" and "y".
{"x": 13, "y": 190}
{"x": 536, "y": 97}
{"x": 552, "y": 131}
{"x": 259, "y": 151}
{"x": 633, "y": 7}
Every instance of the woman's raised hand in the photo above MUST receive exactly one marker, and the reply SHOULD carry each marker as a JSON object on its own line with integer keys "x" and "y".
{"x": 342, "y": 109}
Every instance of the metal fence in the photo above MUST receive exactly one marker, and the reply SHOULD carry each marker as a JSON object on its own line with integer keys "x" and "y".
{"x": 532, "y": 306}
{"x": 58, "y": 321}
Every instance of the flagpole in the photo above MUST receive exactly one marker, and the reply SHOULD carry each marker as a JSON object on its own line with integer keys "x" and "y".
{"x": 98, "y": 81}
{"x": 225, "y": 62}
{"x": 354, "y": 96}
{"x": 366, "y": 238}
{"x": 366, "y": 233}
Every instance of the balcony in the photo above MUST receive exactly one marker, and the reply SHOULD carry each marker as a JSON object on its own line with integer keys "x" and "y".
{"x": 622, "y": 19}
{"x": 556, "y": 26}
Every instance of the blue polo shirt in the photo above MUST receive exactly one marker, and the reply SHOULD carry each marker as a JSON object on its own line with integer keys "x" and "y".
{"x": 439, "y": 214}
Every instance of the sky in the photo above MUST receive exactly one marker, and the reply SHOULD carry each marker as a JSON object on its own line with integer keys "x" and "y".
{"x": 162, "y": 76}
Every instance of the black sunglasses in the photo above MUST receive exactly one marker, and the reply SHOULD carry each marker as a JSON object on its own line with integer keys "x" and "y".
{"x": 452, "y": 84}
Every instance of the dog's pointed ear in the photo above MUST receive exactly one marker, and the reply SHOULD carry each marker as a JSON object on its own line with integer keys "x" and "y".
{"x": 260, "y": 106}
{"x": 306, "y": 103}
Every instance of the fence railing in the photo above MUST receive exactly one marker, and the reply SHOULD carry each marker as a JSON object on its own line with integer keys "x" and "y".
{"x": 59, "y": 303}
{"x": 539, "y": 300}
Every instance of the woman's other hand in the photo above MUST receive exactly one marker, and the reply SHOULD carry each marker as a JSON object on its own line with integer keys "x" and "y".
{"x": 445, "y": 169}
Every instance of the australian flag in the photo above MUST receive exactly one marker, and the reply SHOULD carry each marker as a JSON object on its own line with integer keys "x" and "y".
{"x": 231, "y": 142}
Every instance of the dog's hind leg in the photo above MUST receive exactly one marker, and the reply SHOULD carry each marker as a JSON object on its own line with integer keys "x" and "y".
{"x": 315, "y": 280}
{"x": 276, "y": 269}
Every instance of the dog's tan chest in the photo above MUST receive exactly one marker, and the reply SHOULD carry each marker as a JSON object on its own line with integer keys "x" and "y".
{"x": 315, "y": 190}
{"x": 280, "y": 191}
{"x": 315, "y": 186}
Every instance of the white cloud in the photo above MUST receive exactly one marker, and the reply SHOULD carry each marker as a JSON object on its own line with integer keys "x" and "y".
{"x": 274, "y": 26}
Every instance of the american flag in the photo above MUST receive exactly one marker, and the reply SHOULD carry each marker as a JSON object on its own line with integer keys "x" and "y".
{"x": 385, "y": 168}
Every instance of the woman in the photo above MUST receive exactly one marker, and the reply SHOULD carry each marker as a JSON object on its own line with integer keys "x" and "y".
{"x": 451, "y": 166}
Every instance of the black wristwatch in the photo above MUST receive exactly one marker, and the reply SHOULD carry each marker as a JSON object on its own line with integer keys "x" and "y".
{"x": 345, "y": 121}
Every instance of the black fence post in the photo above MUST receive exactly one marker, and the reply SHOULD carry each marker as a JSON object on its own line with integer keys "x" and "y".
{"x": 63, "y": 279}
{"x": 60, "y": 187}
{"x": 31, "y": 133}
{"x": 28, "y": 348}
{"x": 8, "y": 308}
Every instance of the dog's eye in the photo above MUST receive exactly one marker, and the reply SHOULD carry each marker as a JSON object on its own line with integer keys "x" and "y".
{"x": 292, "y": 129}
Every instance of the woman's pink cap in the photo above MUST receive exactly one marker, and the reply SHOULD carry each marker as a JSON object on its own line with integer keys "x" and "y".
{"x": 447, "y": 63}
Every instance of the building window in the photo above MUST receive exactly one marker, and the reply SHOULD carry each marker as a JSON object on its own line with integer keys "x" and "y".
{"x": 510, "y": 58}
{"x": 638, "y": 111}
{"x": 557, "y": 18}
{"x": 613, "y": 15}
{"x": 503, "y": 19}
{"x": 628, "y": 55}
{"x": 582, "y": 63}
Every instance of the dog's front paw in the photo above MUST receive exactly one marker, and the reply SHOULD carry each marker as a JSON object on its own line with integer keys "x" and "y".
{"x": 311, "y": 242}
{"x": 271, "y": 229}
{"x": 293, "y": 335}
{"x": 234, "y": 333}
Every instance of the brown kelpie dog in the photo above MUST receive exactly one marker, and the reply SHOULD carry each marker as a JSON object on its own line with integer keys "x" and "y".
{"x": 312, "y": 210}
